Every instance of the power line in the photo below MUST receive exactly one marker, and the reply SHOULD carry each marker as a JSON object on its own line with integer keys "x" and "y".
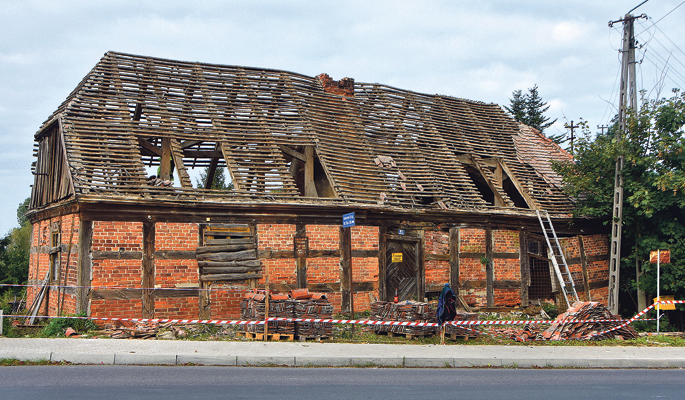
{"x": 659, "y": 20}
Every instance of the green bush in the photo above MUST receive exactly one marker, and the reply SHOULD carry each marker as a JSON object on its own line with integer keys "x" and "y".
{"x": 551, "y": 309}
{"x": 57, "y": 326}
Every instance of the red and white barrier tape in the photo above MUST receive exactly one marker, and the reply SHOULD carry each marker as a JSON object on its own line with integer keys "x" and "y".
{"x": 320, "y": 320}
{"x": 638, "y": 315}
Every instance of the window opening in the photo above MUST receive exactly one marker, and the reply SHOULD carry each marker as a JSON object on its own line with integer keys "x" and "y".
{"x": 540, "y": 277}
{"x": 480, "y": 183}
{"x": 55, "y": 242}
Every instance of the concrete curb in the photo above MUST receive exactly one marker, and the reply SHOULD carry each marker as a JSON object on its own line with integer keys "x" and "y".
{"x": 141, "y": 352}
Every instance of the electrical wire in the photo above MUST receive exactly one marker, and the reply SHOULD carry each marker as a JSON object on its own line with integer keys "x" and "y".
{"x": 667, "y": 14}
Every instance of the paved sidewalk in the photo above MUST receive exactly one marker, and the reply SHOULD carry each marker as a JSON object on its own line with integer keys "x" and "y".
{"x": 173, "y": 352}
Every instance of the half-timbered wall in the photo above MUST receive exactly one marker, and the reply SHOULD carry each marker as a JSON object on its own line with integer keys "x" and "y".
{"x": 486, "y": 266}
{"x": 58, "y": 262}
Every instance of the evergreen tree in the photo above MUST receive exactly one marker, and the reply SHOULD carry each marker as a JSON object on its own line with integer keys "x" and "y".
{"x": 529, "y": 109}
{"x": 518, "y": 106}
{"x": 536, "y": 109}
{"x": 219, "y": 182}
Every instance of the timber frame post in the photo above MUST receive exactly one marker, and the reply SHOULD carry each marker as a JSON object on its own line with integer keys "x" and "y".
{"x": 583, "y": 265}
{"x": 455, "y": 243}
{"x": 301, "y": 259}
{"x": 525, "y": 267}
{"x": 85, "y": 266}
{"x": 148, "y": 279}
{"x": 489, "y": 269}
{"x": 347, "y": 302}
{"x": 382, "y": 262}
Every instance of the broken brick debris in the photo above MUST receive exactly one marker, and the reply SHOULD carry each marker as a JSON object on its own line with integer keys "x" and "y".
{"x": 564, "y": 327}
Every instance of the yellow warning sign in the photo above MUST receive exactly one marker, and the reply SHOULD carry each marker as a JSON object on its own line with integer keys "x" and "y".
{"x": 665, "y": 306}
{"x": 396, "y": 257}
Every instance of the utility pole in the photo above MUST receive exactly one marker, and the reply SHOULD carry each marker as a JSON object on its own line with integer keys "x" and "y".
{"x": 627, "y": 102}
{"x": 571, "y": 127}
{"x": 602, "y": 128}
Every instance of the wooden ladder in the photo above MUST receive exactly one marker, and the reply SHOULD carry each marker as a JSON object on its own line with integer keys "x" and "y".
{"x": 568, "y": 288}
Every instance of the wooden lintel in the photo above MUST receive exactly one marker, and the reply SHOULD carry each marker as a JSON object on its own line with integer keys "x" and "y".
{"x": 137, "y": 294}
{"x": 483, "y": 284}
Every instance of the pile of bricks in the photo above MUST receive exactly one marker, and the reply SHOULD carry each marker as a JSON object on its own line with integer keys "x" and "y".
{"x": 411, "y": 311}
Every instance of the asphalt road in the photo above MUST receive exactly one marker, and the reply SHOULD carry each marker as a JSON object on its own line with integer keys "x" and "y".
{"x": 150, "y": 382}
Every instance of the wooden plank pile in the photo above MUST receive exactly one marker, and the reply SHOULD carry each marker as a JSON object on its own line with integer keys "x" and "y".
{"x": 296, "y": 304}
{"x": 229, "y": 253}
{"x": 411, "y": 311}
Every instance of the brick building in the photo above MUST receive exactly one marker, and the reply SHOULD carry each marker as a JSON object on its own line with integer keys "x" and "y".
{"x": 444, "y": 190}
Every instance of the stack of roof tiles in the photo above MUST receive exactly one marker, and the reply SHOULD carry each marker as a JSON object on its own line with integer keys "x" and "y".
{"x": 460, "y": 330}
{"x": 410, "y": 311}
{"x": 281, "y": 305}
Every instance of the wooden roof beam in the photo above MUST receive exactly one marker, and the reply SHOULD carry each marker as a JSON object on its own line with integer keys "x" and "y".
{"x": 293, "y": 153}
{"x": 149, "y": 147}
{"x": 532, "y": 204}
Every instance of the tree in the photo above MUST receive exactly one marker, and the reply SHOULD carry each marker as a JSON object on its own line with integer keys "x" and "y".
{"x": 654, "y": 192}
{"x": 14, "y": 251}
{"x": 529, "y": 109}
{"x": 219, "y": 181}
{"x": 518, "y": 106}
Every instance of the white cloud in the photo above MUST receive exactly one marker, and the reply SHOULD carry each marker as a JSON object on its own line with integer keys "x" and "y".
{"x": 475, "y": 50}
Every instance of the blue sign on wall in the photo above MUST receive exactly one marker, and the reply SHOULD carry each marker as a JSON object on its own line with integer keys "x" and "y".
{"x": 400, "y": 231}
{"x": 348, "y": 220}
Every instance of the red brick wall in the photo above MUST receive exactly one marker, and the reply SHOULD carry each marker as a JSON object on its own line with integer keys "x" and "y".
{"x": 117, "y": 236}
{"x": 277, "y": 237}
{"x": 471, "y": 269}
{"x": 436, "y": 272}
{"x": 323, "y": 270}
{"x": 170, "y": 273}
{"x": 39, "y": 262}
{"x": 598, "y": 271}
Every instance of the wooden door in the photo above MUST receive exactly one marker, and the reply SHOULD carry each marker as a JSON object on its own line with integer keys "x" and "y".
{"x": 403, "y": 272}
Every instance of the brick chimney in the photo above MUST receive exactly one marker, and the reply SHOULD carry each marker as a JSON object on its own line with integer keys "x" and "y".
{"x": 343, "y": 87}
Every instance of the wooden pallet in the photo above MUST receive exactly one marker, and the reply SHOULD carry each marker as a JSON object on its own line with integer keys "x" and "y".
{"x": 315, "y": 338}
{"x": 455, "y": 336}
{"x": 406, "y": 335}
{"x": 269, "y": 336}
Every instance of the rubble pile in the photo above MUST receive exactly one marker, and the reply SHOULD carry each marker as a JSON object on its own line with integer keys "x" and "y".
{"x": 154, "y": 330}
{"x": 410, "y": 311}
{"x": 564, "y": 328}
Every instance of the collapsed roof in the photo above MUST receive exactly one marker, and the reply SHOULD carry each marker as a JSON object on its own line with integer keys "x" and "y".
{"x": 284, "y": 137}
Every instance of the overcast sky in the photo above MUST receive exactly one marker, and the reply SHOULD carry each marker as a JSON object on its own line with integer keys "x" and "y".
{"x": 480, "y": 50}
